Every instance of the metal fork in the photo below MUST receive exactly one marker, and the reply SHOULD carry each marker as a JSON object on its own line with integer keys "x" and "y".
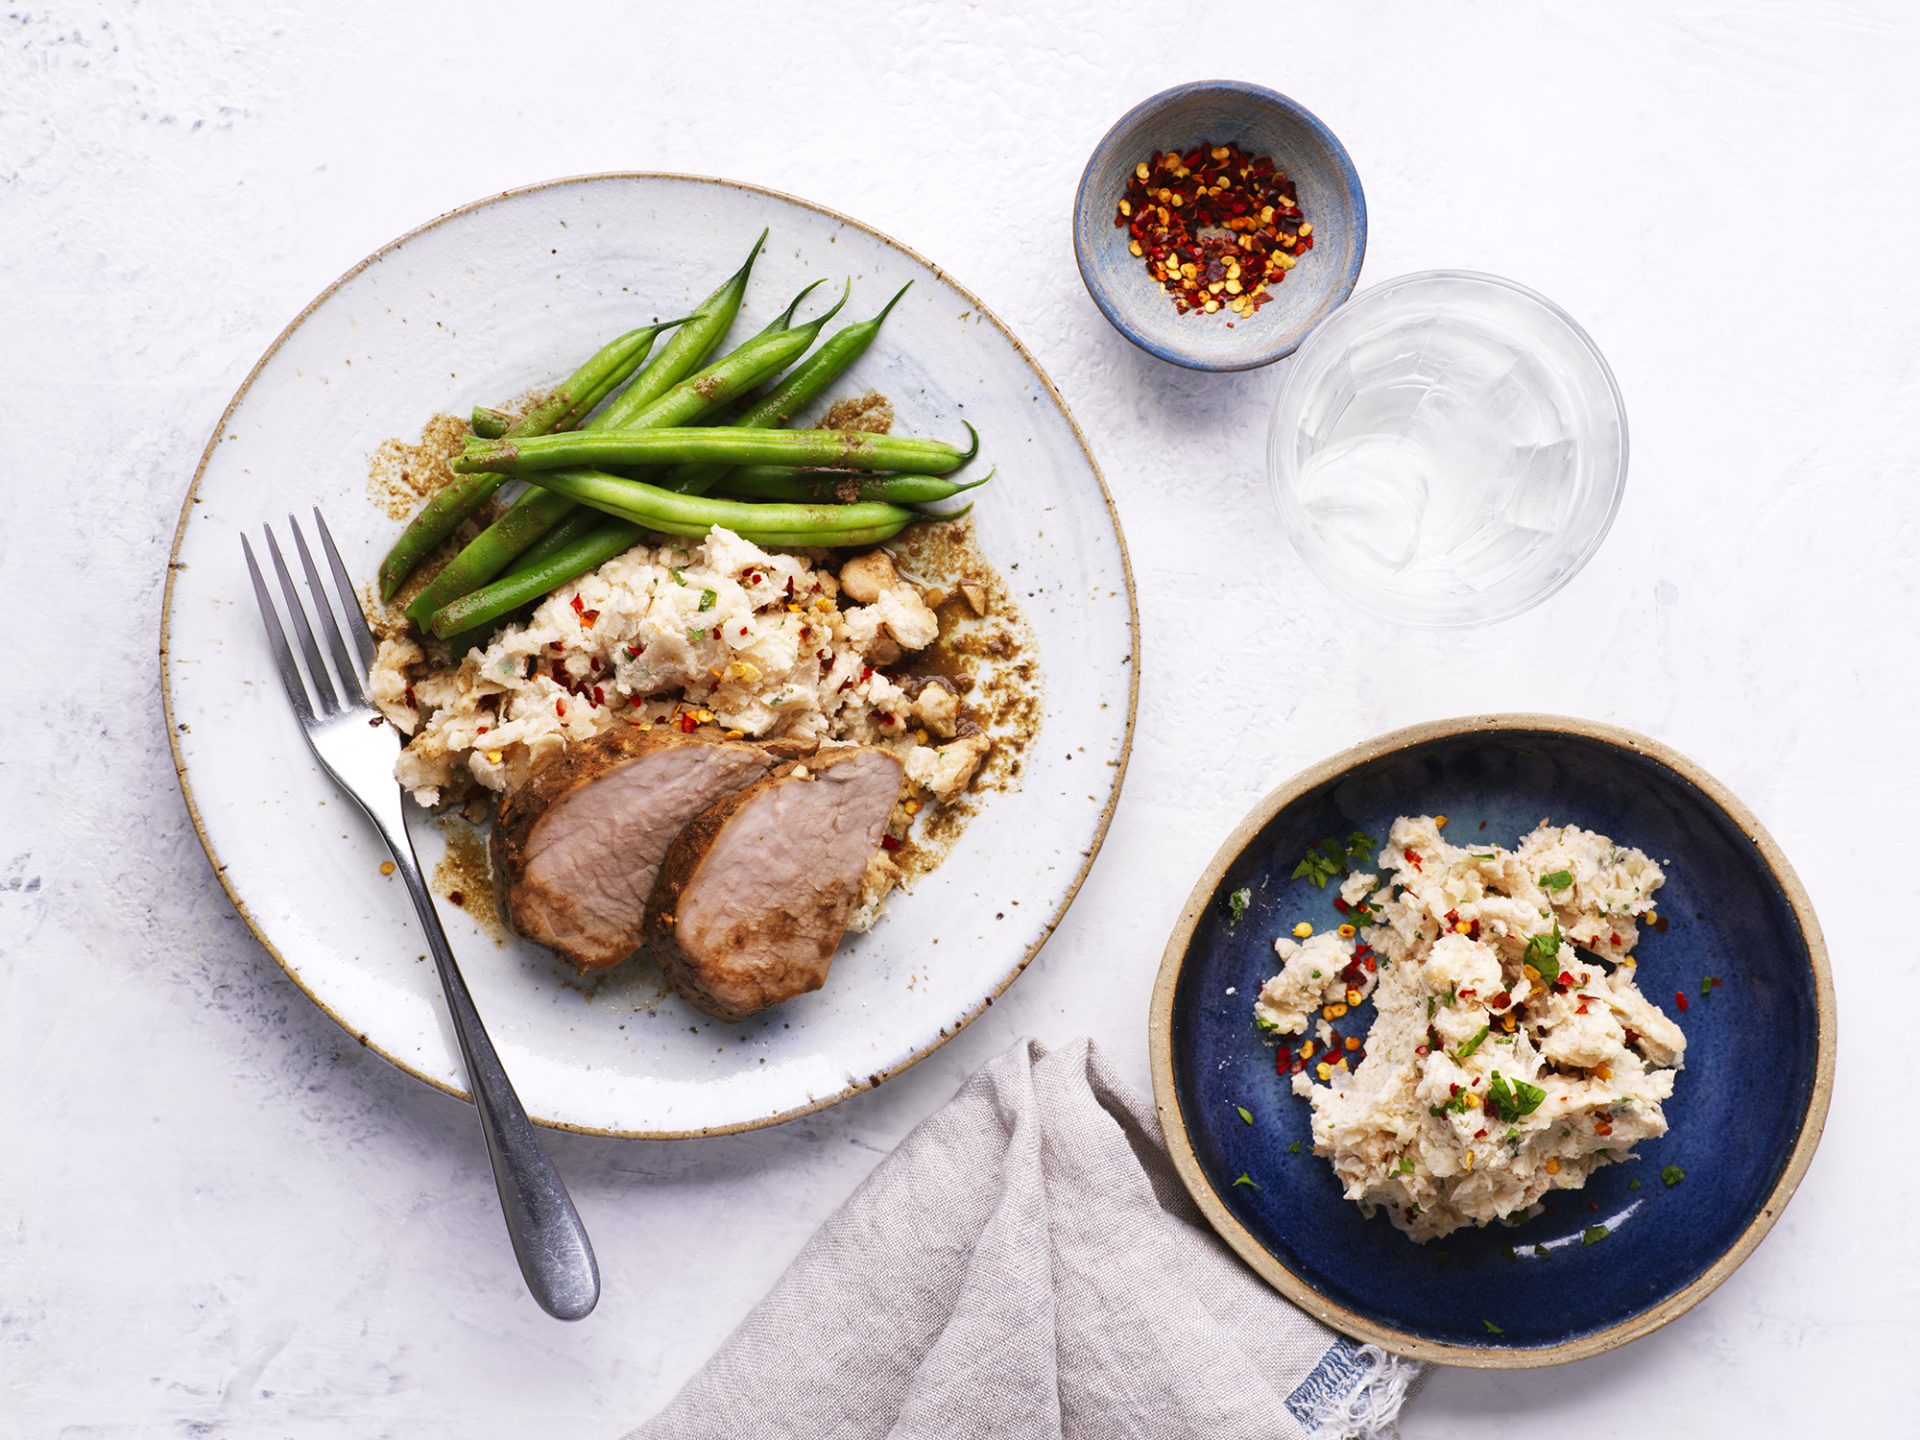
{"x": 356, "y": 746}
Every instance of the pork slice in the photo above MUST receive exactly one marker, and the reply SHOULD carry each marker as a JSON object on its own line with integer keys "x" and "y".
{"x": 577, "y": 848}
{"x": 755, "y": 894}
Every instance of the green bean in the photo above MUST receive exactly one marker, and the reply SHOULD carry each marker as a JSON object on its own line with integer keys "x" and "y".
{"x": 671, "y": 513}
{"x": 586, "y": 387}
{"x": 538, "y": 511}
{"x": 690, "y": 346}
{"x": 573, "y": 526}
{"x": 489, "y": 423}
{"x": 793, "y": 394}
{"x": 833, "y": 449}
{"x": 774, "y": 482}
{"x": 464, "y": 621}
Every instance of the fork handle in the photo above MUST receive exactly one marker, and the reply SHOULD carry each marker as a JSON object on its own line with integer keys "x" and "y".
{"x": 551, "y": 1244}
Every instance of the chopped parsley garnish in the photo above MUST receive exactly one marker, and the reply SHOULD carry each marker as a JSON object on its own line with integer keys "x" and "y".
{"x": 1488, "y": 856}
{"x": 1321, "y": 863}
{"x": 1634, "y": 1184}
{"x": 1492, "y": 1329}
{"x": 1455, "y": 1106}
{"x": 1594, "y": 1234}
{"x": 1543, "y": 953}
{"x": 1244, "y": 1113}
{"x": 1506, "y": 1102}
{"x": 1540, "y": 1251}
{"x": 1671, "y": 1175}
{"x": 1467, "y": 1047}
{"x": 1294, "y": 1148}
{"x": 708, "y": 599}
{"x": 696, "y": 632}
{"x": 1433, "y": 1004}
{"x": 1237, "y": 904}
{"x": 1246, "y": 1179}
{"x": 1405, "y": 1167}
{"x": 1266, "y": 1024}
{"x": 679, "y": 576}
{"x": 1706, "y": 986}
{"x": 1556, "y": 880}
{"x": 1325, "y": 859}
{"x": 1513, "y": 1256}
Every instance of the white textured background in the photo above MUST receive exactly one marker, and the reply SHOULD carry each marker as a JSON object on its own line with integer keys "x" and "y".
{"x": 218, "y": 1219}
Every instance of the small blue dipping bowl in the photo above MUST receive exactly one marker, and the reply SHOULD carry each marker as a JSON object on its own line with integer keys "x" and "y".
{"x": 1261, "y": 122}
{"x": 1746, "y": 1111}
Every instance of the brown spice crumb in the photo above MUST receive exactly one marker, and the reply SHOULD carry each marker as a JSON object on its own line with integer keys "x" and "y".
{"x": 871, "y": 413}
{"x": 401, "y": 475}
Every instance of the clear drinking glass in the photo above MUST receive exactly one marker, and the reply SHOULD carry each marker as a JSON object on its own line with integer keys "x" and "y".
{"x": 1448, "y": 449}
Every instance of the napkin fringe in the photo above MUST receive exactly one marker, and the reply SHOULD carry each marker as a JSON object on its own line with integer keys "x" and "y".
{"x": 1371, "y": 1410}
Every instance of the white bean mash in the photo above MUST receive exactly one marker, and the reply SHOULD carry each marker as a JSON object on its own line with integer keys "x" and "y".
{"x": 1511, "y": 1052}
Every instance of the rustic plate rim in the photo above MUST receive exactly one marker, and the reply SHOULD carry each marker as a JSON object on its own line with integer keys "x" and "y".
{"x": 1340, "y": 1317}
{"x": 948, "y": 1031}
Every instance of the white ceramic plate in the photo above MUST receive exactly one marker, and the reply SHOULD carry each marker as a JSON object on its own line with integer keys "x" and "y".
{"x": 494, "y": 301}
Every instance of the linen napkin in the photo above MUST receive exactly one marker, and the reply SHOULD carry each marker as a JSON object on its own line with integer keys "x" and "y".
{"x": 1026, "y": 1264}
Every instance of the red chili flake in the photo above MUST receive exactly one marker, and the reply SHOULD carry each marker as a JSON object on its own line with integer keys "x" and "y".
{"x": 1476, "y": 1080}
{"x": 1412, "y": 858}
{"x": 1615, "y": 939}
{"x": 1453, "y": 917}
{"x": 743, "y": 629}
{"x": 559, "y": 673}
{"x": 1421, "y": 1050}
{"x": 887, "y": 842}
{"x": 1500, "y": 1001}
{"x": 1680, "y": 1001}
{"x": 1714, "y": 980}
{"x": 1481, "y": 1133}
{"x": 634, "y": 702}
{"x": 579, "y": 605}
{"x": 1661, "y": 925}
{"x": 1468, "y": 994}
{"x": 687, "y": 723}
{"x": 1333, "y": 1040}
{"x": 1581, "y": 1008}
{"x": 1216, "y": 226}
{"x": 1453, "y": 1089}
{"x": 587, "y": 619}
{"x": 1372, "y": 965}
{"x": 1603, "y": 1127}
{"x": 599, "y": 696}
{"x": 1282, "y": 1057}
{"x": 1340, "y": 905}
{"x": 866, "y": 672}
{"x": 560, "y": 708}
{"x": 481, "y": 730}
{"x": 886, "y": 719}
{"x": 753, "y": 577}
{"x": 1630, "y": 1037}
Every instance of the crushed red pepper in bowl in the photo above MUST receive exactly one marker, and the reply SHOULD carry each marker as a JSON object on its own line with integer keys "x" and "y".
{"x": 1215, "y": 225}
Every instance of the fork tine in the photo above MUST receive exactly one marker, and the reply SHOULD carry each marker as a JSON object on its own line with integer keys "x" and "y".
{"x": 324, "y": 699}
{"x": 357, "y": 626}
{"x": 351, "y": 691}
{"x": 277, "y": 639}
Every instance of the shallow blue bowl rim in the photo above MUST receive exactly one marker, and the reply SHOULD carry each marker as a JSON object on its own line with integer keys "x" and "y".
{"x": 1286, "y": 344}
{"x": 1205, "y": 1190}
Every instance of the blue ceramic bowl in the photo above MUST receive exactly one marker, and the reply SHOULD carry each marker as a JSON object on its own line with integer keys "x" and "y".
{"x": 1263, "y": 122}
{"x": 1746, "y": 1111}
